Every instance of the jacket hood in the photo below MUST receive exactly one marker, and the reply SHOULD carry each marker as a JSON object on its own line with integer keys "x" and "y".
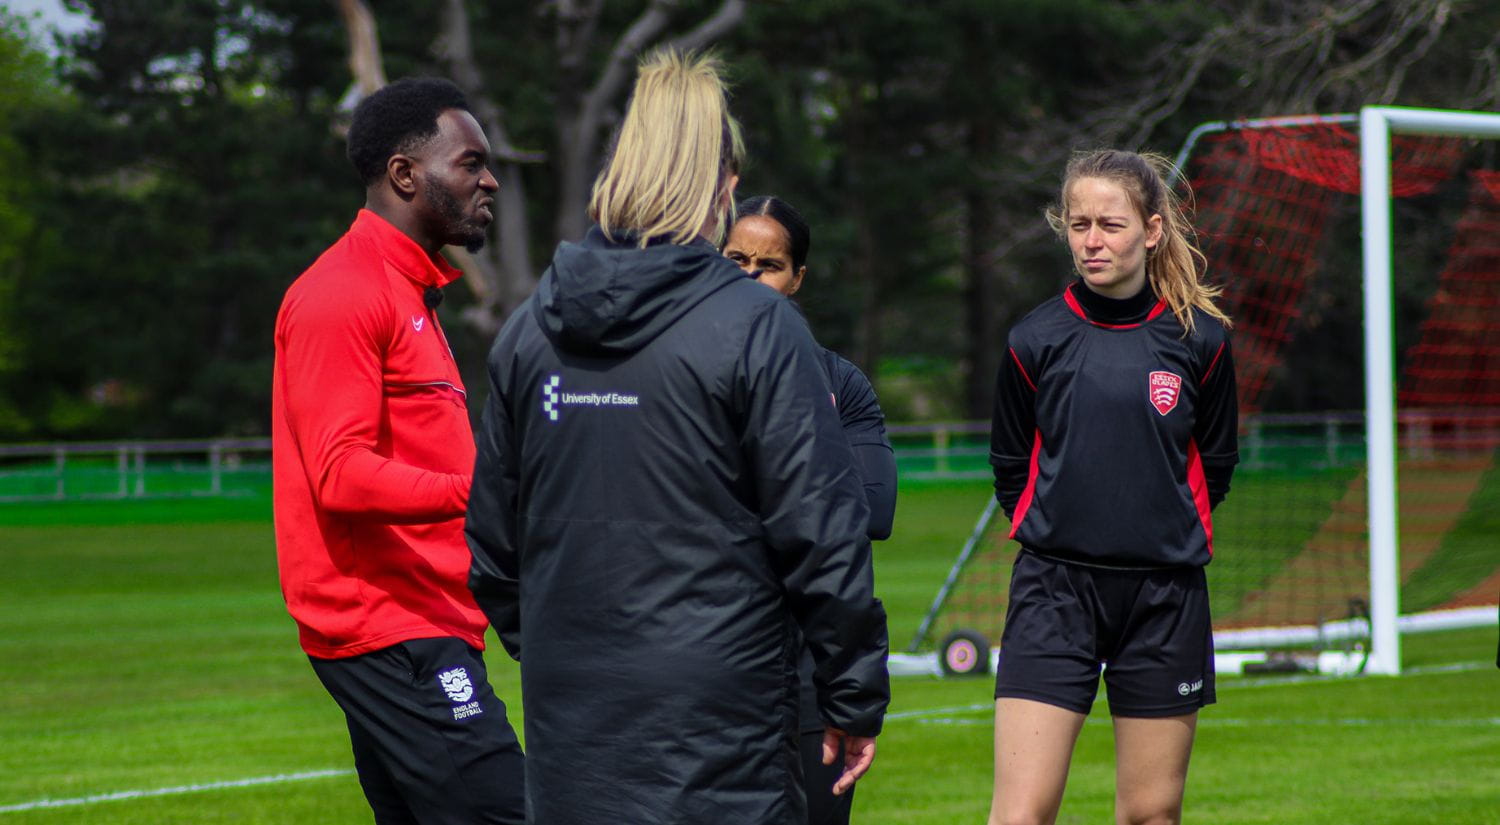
{"x": 602, "y": 296}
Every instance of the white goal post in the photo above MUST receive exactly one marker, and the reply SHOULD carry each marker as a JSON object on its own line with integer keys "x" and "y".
{"x": 1376, "y": 125}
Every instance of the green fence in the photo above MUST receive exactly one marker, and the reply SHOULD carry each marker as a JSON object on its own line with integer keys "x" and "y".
{"x": 134, "y": 470}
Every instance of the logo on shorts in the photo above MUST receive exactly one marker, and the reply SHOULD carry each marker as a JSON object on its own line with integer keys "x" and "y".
{"x": 456, "y": 684}
{"x": 1165, "y": 388}
{"x": 1189, "y": 687}
{"x": 416, "y": 322}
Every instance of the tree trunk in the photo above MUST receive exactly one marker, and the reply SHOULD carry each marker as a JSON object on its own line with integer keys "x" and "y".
{"x": 365, "y": 62}
{"x": 501, "y": 276}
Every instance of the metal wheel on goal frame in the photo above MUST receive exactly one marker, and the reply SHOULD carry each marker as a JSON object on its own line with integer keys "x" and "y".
{"x": 964, "y": 652}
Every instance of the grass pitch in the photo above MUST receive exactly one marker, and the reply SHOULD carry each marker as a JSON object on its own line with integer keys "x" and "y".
{"x": 147, "y": 664}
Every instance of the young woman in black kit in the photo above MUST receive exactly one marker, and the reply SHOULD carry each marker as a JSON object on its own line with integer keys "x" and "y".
{"x": 1114, "y": 437}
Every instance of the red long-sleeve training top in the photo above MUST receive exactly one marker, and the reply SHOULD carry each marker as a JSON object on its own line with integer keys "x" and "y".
{"x": 372, "y": 452}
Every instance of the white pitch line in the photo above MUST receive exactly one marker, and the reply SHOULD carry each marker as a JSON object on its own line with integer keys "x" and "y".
{"x": 948, "y": 715}
{"x": 918, "y": 714}
{"x": 179, "y": 789}
{"x": 1314, "y": 679}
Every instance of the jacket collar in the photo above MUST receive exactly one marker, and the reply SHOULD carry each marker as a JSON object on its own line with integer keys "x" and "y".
{"x": 403, "y": 253}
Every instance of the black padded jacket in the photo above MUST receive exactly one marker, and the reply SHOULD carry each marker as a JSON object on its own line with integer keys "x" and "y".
{"x": 662, "y": 493}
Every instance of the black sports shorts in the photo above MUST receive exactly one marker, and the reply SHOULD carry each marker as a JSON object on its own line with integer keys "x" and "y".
{"x": 1149, "y": 630}
{"x": 431, "y": 740}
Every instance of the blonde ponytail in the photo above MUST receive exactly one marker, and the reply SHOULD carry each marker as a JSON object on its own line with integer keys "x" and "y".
{"x": 674, "y": 156}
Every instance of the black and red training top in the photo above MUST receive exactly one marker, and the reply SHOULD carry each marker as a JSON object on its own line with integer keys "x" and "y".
{"x": 1114, "y": 436}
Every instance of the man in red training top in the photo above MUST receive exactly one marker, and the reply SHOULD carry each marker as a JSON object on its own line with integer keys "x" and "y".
{"x": 373, "y": 454}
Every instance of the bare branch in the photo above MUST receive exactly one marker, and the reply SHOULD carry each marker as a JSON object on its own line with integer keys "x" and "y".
{"x": 617, "y": 68}
{"x": 1435, "y": 27}
{"x": 720, "y": 23}
{"x": 1199, "y": 58}
{"x": 365, "y": 62}
{"x": 1373, "y": 57}
{"x": 1484, "y": 83}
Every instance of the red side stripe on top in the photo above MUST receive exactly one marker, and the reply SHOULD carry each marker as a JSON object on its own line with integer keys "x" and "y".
{"x": 1072, "y": 301}
{"x": 1030, "y": 383}
{"x": 1198, "y": 484}
{"x": 1213, "y": 363}
{"x": 1025, "y": 502}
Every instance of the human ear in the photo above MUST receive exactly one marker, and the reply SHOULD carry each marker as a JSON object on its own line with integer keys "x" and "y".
{"x": 717, "y": 227}
{"x": 1153, "y": 231}
{"x": 726, "y": 199}
{"x": 796, "y": 283}
{"x": 401, "y": 172}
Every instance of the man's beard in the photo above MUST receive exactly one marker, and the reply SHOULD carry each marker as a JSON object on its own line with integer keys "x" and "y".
{"x": 458, "y": 229}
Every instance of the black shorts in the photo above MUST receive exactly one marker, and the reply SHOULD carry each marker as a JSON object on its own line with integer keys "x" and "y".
{"x": 1149, "y": 630}
{"x": 431, "y": 740}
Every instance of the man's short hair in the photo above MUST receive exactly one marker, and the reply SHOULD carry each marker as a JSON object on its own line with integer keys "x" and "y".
{"x": 398, "y": 119}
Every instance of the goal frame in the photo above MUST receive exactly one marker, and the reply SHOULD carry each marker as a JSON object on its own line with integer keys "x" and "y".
{"x": 1376, "y": 126}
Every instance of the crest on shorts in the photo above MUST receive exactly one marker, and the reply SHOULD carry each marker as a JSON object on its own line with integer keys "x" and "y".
{"x": 456, "y": 684}
{"x": 1165, "y": 389}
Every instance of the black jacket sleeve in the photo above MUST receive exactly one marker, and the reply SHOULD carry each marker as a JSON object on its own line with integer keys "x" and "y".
{"x": 864, "y": 424}
{"x": 1012, "y": 430}
{"x": 1216, "y": 429}
{"x": 813, "y": 517}
{"x": 877, "y": 466}
{"x": 490, "y": 527}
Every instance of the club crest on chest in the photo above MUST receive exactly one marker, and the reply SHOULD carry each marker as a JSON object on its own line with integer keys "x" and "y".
{"x": 1165, "y": 388}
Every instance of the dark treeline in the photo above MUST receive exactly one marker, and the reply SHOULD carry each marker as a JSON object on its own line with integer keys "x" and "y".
{"x": 177, "y": 165}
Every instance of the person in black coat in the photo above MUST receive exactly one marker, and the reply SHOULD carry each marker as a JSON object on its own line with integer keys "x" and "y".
{"x": 770, "y": 241}
{"x": 663, "y": 495}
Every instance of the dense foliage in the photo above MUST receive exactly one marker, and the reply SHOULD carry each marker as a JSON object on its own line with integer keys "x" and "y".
{"x": 165, "y": 178}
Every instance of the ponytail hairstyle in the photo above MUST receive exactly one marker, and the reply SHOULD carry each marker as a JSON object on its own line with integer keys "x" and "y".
{"x": 669, "y": 170}
{"x": 799, "y": 237}
{"x": 1175, "y": 266}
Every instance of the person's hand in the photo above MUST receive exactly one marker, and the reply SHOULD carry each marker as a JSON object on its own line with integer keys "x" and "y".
{"x": 858, "y": 753}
